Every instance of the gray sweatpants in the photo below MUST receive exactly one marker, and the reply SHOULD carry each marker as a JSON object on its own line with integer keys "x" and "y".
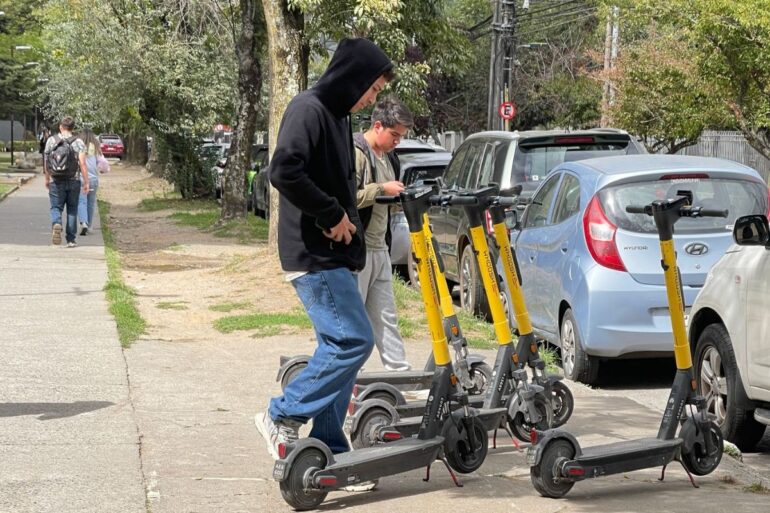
{"x": 375, "y": 283}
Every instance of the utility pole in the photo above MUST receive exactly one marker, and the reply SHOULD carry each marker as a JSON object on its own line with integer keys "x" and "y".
{"x": 611, "y": 44}
{"x": 501, "y": 62}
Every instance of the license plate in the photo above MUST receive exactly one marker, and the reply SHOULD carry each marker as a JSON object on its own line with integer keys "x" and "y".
{"x": 531, "y": 453}
{"x": 279, "y": 470}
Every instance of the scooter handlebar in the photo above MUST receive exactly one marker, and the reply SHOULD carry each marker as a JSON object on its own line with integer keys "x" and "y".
{"x": 387, "y": 199}
{"x": 639, "y": 209}
{"x": 710, "y": 212}
{"x": 453, "y": 199}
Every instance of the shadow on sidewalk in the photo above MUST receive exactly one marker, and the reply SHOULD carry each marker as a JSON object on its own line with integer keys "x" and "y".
{"x": 49, "y": 411}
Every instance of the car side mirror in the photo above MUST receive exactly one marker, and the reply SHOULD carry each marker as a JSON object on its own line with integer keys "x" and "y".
{"x": 512, "y": 219}
{"x": 751, "y": 230}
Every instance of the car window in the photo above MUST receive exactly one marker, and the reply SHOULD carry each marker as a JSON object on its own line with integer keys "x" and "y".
{"x": 568, "y": 200}
{"x": 469, "y": 173}
{"x": 501, "y": 157}
{"x": 739, "y": 197}
{"x": 532, "y": 162}
{"x": 537, "y": 211}
{"x": 487, "y": 164}
{"x": 415, "y": 173}
{"x": 453, "y": 170}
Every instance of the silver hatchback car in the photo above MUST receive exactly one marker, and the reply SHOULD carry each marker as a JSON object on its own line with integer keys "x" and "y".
{"x": 591, "y": 271}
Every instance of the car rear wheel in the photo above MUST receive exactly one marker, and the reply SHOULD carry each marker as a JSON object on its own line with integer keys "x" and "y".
{"x": 719, "y": 382}
{"x": 577, "y": 365}
{"x": 472, "y": 296}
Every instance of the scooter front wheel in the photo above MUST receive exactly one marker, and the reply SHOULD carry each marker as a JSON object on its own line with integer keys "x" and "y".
{"x": 563, "y": 403}
{"x": 469, "y": 445}
{"x": 522, "y": 428}
{"x": 698, "y": 461}
{"x": 295, "y": 488}
{"x": 545, "y": 476}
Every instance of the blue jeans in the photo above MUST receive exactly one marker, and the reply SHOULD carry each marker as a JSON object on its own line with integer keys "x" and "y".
{"x": 345, "y": 340}
{"x": 87, "y": 203}
{"x": 61, "y": 193}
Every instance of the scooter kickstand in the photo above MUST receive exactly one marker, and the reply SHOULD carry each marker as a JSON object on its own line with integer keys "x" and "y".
{"x": 692, "y": 479}
{"x": 494, "y": 439}
{"x": 427, "y": 474}
{"x": 663, "y": 472}
{"x": 451, "y": 473}
{"x": 513, "y": 438}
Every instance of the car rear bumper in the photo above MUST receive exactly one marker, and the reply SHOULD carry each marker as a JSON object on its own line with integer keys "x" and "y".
{"x": 623, "y": 317}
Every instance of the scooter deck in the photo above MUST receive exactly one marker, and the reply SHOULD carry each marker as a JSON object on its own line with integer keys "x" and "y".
{"x": 383, "y": 460}
{"x": 492, "y": 419}
{"x": 628, "y": 455}
{"x": 417, "y": 408}
{"x": 395, "y": 377}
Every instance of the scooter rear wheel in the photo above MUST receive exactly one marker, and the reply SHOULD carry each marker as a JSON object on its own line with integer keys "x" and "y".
{"x": 522, "y": 428}
{"x": 295, "y": 488}
{"x": 467, "y": 456}
{"x": 291, "y": 374}
{"x": 373, "y": 417}
{"x": 698, "y": 461}
{"x": 544, "y": 475}
{"x": 563, "y": 403}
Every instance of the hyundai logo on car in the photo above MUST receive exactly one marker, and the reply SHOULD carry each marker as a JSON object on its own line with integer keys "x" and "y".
{"x": 696, "y": 249}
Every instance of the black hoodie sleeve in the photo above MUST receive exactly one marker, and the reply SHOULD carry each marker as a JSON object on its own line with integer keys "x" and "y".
{"x": 297, "y": 139}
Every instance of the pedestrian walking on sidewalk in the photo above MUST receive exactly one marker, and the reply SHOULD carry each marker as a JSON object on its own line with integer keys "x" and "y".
{"x": 377, "y": 173}
{"x": 87, "y": 202}
{"x": 320, "y": 242}
{"x": 64, "y": 165}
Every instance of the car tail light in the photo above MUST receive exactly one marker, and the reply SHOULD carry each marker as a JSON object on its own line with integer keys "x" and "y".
{"x": 600, "y": 237}
{"x": 574, "y": 139}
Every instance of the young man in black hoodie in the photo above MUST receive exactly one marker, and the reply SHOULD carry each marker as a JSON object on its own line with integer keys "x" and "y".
{"x": 320, "y": 242}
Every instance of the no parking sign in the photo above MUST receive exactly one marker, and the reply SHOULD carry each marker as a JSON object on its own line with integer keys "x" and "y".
{"x": 507, "y": 110}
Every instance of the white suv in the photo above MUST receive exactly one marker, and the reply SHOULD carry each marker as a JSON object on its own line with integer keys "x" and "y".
{"x": 729, "y": 333}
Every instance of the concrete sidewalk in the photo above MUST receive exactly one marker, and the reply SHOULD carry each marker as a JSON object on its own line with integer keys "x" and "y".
{"x": 68, "y": 435}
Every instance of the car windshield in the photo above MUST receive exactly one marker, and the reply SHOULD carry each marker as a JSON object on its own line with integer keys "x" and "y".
{"x": 532, "y": 163}
{"x": 737, "y": 196}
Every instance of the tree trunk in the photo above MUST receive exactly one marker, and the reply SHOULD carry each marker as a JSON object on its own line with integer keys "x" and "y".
{"x": 136, "y": 147}
{"x": 288, "y": 52}
{"x": 249, "y": 87}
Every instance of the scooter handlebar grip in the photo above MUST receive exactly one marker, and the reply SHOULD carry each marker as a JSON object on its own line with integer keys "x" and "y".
{"x": 387, "y": 199}
{"x": 508, "y": 201}
{"x": 462, "y": 200}
{"x": 712, "y": 212}
{"x": 636, "y": 209}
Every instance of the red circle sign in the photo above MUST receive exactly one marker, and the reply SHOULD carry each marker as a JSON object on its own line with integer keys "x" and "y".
{"x": 507, "y": 110}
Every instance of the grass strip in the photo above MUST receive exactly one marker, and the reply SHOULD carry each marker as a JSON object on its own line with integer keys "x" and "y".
{"x": 120, "y": 296}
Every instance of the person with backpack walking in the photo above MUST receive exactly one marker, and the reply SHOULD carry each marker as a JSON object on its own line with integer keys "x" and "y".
{"x": 64, "y": 163}
{"x": 87, "y": 201}
{"x": 377, "y": 172}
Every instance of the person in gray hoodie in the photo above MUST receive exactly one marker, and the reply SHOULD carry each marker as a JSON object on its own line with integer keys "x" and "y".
{"x": 320, "y": 242}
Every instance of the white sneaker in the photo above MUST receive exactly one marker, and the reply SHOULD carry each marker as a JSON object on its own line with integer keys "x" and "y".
{"x": 276, "y": 434}
{"x": 363, "y": 486}
{"x": 83, "y": 228}
{"x": 72, "y": 244}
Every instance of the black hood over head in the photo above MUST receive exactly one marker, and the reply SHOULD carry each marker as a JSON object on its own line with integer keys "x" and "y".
{"x": 354, "y": 67}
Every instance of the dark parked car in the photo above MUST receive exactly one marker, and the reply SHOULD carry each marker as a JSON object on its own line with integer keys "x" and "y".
{"x": 261, "y": 188}
{"x": 507, "y": 159}
{"x": 414, "y": 166}
{"x": 111, "y": 145}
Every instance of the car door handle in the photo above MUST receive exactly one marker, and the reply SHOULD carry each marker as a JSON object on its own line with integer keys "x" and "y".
{"x": 564, "y": 250}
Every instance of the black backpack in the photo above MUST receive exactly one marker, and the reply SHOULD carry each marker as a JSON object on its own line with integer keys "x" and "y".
{"x": 63, "y": 160}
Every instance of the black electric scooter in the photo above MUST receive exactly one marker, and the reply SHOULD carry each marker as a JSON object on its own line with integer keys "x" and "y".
{"x": 556, "y": 459}
{"x": 371, "y": 421}
{"x": 307, "y": 470}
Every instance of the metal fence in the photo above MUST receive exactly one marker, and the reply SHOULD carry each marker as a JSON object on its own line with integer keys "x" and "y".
{"x": 731, "y": 146}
